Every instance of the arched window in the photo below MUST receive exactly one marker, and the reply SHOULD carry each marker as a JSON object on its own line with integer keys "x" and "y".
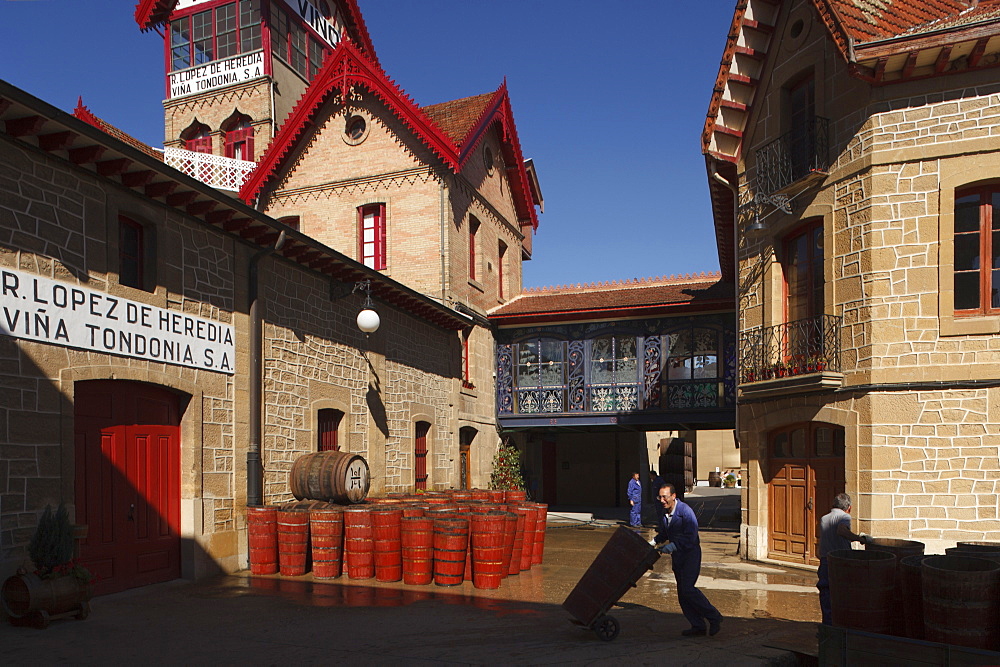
{"x": 239, "y": 138}
{"x": 197, "y": 138}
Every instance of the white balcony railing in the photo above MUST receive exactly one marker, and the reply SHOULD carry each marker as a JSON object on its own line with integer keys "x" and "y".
{"x": 224, "y": 173}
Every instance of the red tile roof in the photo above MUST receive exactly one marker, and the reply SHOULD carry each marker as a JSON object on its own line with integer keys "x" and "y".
{"x": 628, "y": 298}
{"x": 85, "y": 114}
{"x": 868, "y": 20}
{"x": 458, "y": 117}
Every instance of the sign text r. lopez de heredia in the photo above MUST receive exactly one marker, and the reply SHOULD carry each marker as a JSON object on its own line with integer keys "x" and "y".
{"x": 48, "y": 311}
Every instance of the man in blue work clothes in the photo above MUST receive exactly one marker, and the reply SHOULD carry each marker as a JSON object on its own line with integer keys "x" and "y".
{"x": 679, "y": 525}
{"x": 634, "y": 494}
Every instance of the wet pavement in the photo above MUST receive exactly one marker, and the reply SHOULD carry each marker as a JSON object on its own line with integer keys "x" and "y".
{"x": 771, "y": 612}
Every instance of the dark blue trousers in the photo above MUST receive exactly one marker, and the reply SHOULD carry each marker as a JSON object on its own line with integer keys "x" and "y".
{"x": 634, "y": 515}
{"x": 823, "y": 584}
{"x": 696, "y": 607}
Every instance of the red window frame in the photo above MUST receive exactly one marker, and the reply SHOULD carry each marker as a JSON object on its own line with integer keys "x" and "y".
{"x": 372, "y": 251}
{"x": 420, "y": 455}
{"x": 240, "y": 138}
{"x": 466, "y": 364}
{"x": 327, "y": 425}
{"x": 131, "y": 248}
{"x": 501, "y": 255}
{"x": 294, "y": 44}
{"x": 199, "y": 144}
{"x": 473, "y": 230}
{"x": 812, "y": 268}
{"x": 985, "y": 239}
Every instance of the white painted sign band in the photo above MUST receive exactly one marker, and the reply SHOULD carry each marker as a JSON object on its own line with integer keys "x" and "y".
{"x": 48, "y": 311}
{"x": 216, "y": 74}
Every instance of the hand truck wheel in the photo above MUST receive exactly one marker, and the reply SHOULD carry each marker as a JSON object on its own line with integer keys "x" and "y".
{"x": 606, "y": 627}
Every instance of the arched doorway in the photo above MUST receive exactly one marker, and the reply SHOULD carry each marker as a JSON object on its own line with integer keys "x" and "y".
{"x": 806, "y": 461}
{"x": 127, "y": 443}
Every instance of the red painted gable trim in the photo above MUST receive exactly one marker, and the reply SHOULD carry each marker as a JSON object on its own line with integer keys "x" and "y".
{"x": 345, "y": 68}
{"x": 348, "y": 67}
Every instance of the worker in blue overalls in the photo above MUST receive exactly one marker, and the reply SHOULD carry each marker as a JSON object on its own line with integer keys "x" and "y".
{"x": 679, "y": 526}
{"x": 635, "y": 498}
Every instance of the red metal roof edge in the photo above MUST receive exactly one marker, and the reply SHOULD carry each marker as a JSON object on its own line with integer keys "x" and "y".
{"x": 346, "y": 67}
{"x": 724, "y": 67}
{"x": 151, "y": 13}
{"x": 86, "y": 115}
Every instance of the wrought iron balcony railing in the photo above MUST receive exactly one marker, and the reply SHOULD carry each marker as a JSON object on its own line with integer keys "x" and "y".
{"x": 794, "y": 155}
{"x": 224, "y": 173}
{"x": 805, "y": 346}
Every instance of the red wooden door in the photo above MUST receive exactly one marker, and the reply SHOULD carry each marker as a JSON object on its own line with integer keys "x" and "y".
{"x": 128, "y": 482}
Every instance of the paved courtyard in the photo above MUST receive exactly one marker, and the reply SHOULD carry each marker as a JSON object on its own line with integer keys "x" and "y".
{"x": 770, "y": 611}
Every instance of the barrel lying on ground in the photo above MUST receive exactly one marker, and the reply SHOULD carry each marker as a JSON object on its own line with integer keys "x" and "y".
{"x": 337, "y": 477}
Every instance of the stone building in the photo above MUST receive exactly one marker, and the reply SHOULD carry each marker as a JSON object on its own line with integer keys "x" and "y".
{"x": 853, "y": 160}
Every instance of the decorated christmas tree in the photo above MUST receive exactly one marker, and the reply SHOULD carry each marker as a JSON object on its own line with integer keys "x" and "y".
{"x": 506, "y": 473}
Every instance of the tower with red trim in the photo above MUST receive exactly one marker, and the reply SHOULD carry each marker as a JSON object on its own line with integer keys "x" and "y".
{"x": 235, "y": 68}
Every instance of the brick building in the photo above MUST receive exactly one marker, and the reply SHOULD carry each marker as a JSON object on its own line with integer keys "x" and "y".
{"x": 852, "y": 157}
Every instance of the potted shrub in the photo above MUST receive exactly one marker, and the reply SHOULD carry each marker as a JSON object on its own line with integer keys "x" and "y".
{"x": 59, "y": 586}
{"x": 729, "y": 481}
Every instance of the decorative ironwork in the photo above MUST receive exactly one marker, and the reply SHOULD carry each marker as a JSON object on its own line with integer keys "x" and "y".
{"x": 651, "y": 370}
{"x": 505, "y": 379}
{"x": 794, "y": 155}
{"x": 577, "y": 365}
{"x": 810, "y": 345}
{"x": 603, "y": 372}
{"x": 224, "y": 173}
{"x": 729, "y": 361}
{"x": 693, "y": 395}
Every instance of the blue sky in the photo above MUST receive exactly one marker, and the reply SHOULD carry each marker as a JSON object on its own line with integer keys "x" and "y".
{"x": 609, "y": 100}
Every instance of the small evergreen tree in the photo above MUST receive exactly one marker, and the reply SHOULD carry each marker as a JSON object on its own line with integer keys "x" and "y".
{"x": 52, "y": 544}
{"x": 506, "y": 473}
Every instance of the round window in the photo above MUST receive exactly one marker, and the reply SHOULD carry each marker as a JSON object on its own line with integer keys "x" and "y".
{"x": 356, "y": 127}
{"x": 488, "y": 159}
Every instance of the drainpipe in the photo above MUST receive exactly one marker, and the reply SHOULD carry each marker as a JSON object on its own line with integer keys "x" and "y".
{"x": 255, "y": 467}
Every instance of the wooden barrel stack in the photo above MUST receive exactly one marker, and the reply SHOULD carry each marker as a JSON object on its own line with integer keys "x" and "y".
{"x": 442, "y": 537}
{"x": 892, "y": 588}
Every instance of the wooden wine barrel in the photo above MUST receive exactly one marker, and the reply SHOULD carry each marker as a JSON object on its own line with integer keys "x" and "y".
{"x": 337, "y": 477}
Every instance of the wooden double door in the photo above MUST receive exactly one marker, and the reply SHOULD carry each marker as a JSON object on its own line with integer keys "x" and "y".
{"x": 807, "y": 470}
{"x": 127, "y": 440}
